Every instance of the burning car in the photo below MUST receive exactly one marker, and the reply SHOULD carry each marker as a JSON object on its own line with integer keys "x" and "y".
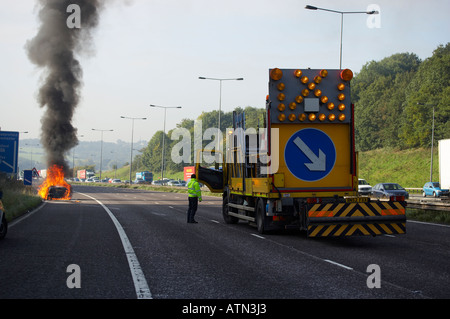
{"x": 59, "y": 192}
{"x": 54, "y": 186}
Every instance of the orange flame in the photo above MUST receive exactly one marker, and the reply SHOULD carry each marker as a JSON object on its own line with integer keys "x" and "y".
{"x": 55, "y": 177}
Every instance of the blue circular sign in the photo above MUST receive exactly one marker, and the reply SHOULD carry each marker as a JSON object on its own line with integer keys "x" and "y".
{"x": 310, "y": 154}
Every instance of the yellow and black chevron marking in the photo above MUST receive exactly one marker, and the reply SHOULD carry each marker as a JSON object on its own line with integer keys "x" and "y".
{"x": 357, "y": 209}
{"x": 356, "y": 229}
{"x": 351, "y": 219}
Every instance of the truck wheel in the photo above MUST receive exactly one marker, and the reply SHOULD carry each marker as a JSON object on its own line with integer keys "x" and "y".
{"x": 225, "y": 209}
{"x": 261, "y": 216}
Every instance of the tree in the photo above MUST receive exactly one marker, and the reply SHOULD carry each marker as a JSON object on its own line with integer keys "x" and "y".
{"x": 378, "y": 93}
{"x": 429, "y": 86}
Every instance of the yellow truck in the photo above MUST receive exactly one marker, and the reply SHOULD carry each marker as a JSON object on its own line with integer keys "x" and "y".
{"x": 298, "y": 169}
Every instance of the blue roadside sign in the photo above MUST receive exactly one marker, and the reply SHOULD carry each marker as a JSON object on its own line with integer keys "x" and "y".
{"x": 27, "y": 177}
{"x": 9, "y": 151}
{"x": 310, "y": 154}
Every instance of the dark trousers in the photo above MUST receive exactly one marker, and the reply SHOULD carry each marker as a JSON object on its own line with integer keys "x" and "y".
{"x": 193, "y": 203}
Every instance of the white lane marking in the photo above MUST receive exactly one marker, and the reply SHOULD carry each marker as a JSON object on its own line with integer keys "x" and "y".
{"x": 18, "y": 220}
{"x": 338, "y": 264}
{"x": 170, "y": 206}
{"x": 140, "y": 283}
{"x": 215, "y": 221}
{"x": 258, "y": 236}
{"x": 425, "y": 223}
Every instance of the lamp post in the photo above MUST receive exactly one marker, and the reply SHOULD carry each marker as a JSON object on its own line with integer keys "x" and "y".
{"x": 31, "y": 153}
{"x": 132, "y": 129}
{"x": 220, "y": 96}
{"x": 342, "y": 22}
{"x": 101, "y": 149}
{"x": 164, "y": 133}
{"x": 73, "y": 160}
{"x": 432, "y": 139}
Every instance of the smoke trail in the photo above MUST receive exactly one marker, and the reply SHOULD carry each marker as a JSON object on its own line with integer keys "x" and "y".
{"x": 53, "y": 49}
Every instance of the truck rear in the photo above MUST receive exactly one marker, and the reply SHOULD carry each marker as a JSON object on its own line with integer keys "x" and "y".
{"x": 298, "y": 168}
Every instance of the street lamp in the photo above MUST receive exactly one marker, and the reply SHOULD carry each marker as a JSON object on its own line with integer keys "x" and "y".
{"x": 220, "y": 95}
{"x": 31, "y": 153}
{"x": 432, "y": 139}
{"x": 342, "y": 22}
{"x": 73, "y": 159}
{"x": 101, "y": 149}
{"x": 132, "y": 129}
{"x": 164, "y": 133}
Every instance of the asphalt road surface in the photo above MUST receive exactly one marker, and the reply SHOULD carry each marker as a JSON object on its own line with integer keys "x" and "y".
{"x": 128, "y": 244}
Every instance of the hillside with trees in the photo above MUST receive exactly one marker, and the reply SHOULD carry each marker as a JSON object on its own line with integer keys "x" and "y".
{"x": 386, "y": 94}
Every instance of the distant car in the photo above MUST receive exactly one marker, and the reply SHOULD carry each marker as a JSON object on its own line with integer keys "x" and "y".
{"x": 175, "y": 183}
{"x": 386, "y": 190}
{"x": 364, "y": 188}
{"x": 434, "y": 189}
{"x": 158, "y": 182}
{"x": 138, "y": 181}
{"x": 115, "y": 181}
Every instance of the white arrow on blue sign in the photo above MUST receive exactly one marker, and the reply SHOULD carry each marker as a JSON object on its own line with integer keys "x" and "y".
{"x": 9, "y": 150}
{"x": 310, "y": 154}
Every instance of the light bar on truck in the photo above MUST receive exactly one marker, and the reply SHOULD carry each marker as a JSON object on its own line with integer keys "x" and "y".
{"x": 305, "y": 96}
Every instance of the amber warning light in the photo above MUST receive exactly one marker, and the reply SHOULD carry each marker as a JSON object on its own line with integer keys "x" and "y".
{"x": 54, "y": 186}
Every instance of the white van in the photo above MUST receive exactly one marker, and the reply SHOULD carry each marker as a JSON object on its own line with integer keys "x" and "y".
{"x": 363, "y": 187}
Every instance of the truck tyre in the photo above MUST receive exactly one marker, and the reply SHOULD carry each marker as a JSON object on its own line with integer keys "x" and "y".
{"x": 225, "y": 209}
{"x": 261, "y": 219}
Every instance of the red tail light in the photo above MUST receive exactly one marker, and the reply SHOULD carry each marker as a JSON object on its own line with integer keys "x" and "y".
{"x": 314, "y": 200}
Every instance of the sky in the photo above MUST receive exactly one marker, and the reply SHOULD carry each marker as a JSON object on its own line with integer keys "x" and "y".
{"x": 154, "y": 51}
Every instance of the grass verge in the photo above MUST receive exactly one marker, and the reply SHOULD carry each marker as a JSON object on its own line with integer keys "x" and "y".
{"x": 17, "y": 198}
{"x": 427, "y": 215}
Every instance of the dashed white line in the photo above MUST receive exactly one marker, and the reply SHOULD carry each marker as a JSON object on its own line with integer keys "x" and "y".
{"x": 338, "y": 264}
{"x": 258, "y": 236}
{"x": 215, "y": 221}
{"x": 140, "y": 283}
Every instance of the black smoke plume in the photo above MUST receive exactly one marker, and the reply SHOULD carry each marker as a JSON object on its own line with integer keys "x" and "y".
{"x": 54, "y": 50}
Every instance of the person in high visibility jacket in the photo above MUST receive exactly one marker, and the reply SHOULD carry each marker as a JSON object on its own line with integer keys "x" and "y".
{"x": 195, "y": 196}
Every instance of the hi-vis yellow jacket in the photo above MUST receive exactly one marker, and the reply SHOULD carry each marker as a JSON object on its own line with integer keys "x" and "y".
{"x": 194, "y": 189}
